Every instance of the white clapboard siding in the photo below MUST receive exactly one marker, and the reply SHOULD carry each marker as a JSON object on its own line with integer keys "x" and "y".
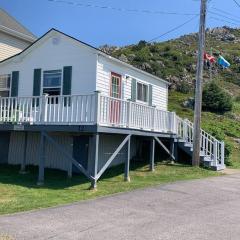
{"x": 10, "y": 45}
{"x": 54, "y": 159}
{"x": 104, "y": 69}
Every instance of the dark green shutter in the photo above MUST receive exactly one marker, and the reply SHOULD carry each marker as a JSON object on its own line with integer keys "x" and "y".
{"x": 150, "y": 95}
{"x": 67, "y": 80}
{"x": 134, "y": 90}
{"x": 67, "y": 84}
{"x": 36, "y": 82}
{"x": 15, "y": 82}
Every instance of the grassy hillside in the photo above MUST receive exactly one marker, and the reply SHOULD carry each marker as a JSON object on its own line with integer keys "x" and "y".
{"x": 224, "y": 125}
{"x": 175, "y": 61}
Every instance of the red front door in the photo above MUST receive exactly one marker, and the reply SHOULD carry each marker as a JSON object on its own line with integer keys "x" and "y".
{"x": 115, "y": 93}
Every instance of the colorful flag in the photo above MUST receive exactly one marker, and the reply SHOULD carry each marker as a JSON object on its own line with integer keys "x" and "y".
{"x": 223, "y": 62}
{"x": 209, "y": 58}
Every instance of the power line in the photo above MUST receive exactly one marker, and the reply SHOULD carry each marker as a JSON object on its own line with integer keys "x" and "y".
{"x": 222, "y": 20}
{"x": 225, "y": 12}
{"x": 173, "y": 29}
{"x": 224, "y": 16}
{"x": 145, "y": 11}
{"x": 238, "y": 4}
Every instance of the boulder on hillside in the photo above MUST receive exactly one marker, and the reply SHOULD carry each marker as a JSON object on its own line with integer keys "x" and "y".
{"x": 189, "y": 103}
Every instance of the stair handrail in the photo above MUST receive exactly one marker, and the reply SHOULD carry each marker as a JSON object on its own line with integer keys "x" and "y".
{"x": 210, "y": 146}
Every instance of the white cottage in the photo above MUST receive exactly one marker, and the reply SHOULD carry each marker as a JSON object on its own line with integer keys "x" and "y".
{"x": 78, "y": 106}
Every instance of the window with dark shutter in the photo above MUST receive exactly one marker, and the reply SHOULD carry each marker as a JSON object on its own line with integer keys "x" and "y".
{"x": 36, "y": 82}
{"x": 150, "y": 93}
{"x": 133, "y": 90}
{"x": 67, "y": 80}
{"x": 15, "y": 82}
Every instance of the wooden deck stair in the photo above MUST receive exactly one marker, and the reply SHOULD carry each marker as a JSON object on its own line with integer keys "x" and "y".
{"x": 212, "y": 150}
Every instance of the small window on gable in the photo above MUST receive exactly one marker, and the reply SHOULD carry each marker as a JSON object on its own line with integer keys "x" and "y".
{"x": 52, "y": 82}
{"x": 142, "y": 92}
{"x": 5, "y": 85}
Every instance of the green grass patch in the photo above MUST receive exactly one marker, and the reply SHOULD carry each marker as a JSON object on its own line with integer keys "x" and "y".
{"x": 20, "y": 193}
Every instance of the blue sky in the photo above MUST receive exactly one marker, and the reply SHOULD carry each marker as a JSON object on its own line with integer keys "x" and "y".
{"x": 103, "y": 26}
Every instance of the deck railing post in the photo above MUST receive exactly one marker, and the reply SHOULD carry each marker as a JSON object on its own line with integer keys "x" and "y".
{"x": 215, "y": 159}
{"x": 153, "y": 118}
{"x": 184, "y": 129}
{"x": 129, "y": 110}
{"x": 44, "y": 108}
{"x": 222, "y": 153}
{"x": 173, "y": 127}
{"x": 97, "y": 106}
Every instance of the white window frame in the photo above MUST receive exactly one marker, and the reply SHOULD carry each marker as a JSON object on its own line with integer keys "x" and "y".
{"x": 118, "y": 76}
{"x": 147, "y": 85}
{"x": 10, "y": 84}
{"x": 42, "y": 80}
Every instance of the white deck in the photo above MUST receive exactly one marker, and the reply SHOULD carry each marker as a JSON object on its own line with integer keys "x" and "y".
{"x": 98, "y": 109}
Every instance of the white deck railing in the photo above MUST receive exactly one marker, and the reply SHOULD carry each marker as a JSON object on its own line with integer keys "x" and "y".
{"x": 128, "y": 114}
{"x": 85, "y": 110}
{"x": 95, "y": 108}
{"x": 75, "y": 109}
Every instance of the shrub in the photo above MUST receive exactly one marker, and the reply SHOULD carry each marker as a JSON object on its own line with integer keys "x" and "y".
{"x": 139, "y": 46}
{"x": 184, "y": 87}
{"x": 238, "y": 98}
{"x": 167, "y": 48}
{"x": 215, "y": 99}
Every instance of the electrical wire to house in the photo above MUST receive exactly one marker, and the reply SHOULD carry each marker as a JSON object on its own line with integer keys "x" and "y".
{"x": 145, "y": 11}
{"x": 173, "y": 29}
{"x": 237, "y": 3}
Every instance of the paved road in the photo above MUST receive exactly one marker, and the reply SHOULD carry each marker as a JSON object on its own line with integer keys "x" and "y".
{"x": 200, "y": 209}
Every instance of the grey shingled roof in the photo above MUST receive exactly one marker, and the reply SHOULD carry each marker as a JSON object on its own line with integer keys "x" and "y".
{"x": 9, "y": 22}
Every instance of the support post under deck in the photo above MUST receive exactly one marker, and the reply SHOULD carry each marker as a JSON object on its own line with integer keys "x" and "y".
{"x": 152, "y": 155}
{"x": 41, "y": 160}
{"x": 127, "y": 163}
{"x": 95, "y": 163}
{"x": 23, "y": 163}
{"x": 172, "y": 149}
{"x": 176, "y": 151}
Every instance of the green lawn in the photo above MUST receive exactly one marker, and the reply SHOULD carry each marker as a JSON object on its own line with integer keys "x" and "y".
{"x": 20, "y": 193}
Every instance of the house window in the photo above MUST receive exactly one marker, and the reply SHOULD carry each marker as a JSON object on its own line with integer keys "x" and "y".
{"x": 5, "y": 85}
{"x": 142, "y": 92}
{"x": 115, "y": 85}
{"x": 52, "y": 82}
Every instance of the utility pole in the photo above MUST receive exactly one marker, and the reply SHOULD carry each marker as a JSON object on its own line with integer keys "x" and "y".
{"x": 198, "y": 88}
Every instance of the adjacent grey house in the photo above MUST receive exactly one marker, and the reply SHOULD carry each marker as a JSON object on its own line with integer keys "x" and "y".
{"x": 70, "y": 106}
{"x": 14, "y": 37}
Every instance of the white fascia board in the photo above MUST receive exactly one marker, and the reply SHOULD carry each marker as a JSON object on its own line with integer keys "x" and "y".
{"x": 17, "y": 34}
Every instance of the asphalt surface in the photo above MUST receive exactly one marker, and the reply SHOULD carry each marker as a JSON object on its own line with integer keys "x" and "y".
{"x": 200, "y": 209}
